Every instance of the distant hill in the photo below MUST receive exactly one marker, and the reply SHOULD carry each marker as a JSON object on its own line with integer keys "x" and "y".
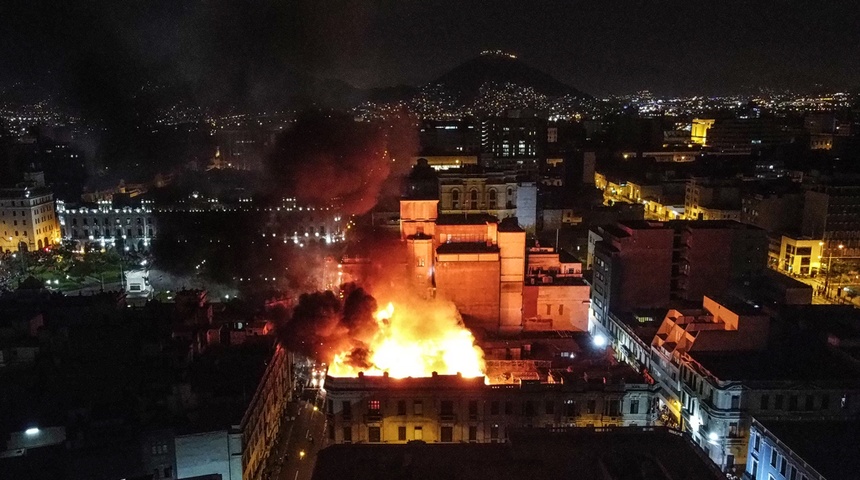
{"x": 468, "y": 78}
{"x": 485, "y": 85}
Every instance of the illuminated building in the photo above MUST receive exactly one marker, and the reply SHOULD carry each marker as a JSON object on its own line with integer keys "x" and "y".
{"x": 555, "y": 296}
{"x": 516, "y": 140}
{"x": 708, "y": 199}
{"x": 448, "y": 162}
{"x": 802, "y": 449}
{"x": 719, "y": 366}
{"x": 494, "y": 193}
{"x": 28, "y": 219}
{"x": 799, "y": 255}
{"x": 453, "y": 409}
{"x": 106, "y": 226}
{"x": 699, "y": 130}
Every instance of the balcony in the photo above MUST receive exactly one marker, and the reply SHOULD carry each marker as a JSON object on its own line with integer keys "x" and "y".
{"x": 373, "y": 417}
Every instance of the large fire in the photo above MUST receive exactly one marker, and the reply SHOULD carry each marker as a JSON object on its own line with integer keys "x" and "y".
{"x": 408, "y": 346}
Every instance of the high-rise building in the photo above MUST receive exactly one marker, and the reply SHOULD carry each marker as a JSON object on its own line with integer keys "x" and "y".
{"x": 832, "y": 213}
{"x": 516, "y": 140}
{"x": 644, "y": 264}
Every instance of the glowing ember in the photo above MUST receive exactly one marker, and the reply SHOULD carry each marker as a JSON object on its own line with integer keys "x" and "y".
{"x": 407, "y": 346}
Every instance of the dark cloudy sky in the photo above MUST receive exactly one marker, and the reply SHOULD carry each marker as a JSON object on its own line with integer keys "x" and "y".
{"x": 229, "y": 47}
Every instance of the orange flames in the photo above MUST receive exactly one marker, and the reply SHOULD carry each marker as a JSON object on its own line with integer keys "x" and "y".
{"x": 416, "y": 345}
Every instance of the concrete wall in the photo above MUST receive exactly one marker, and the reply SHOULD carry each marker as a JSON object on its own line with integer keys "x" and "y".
{"x": 472, "y": 283}
{"x": 556, "y": 307}
{"x": 206, "y": 454}
{"x": 527, "y": 205}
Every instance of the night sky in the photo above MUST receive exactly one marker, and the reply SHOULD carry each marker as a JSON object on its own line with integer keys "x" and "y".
{"x": 96, "y": 49}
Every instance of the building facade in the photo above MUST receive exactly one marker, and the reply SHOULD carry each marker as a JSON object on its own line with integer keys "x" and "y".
{"x": 452, "y": 409}
{"x": 28, "y": 219}
{"x": 104, "y": 226}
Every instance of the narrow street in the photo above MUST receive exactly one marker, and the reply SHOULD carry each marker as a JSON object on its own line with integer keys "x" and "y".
{"x": 294, "y": 455}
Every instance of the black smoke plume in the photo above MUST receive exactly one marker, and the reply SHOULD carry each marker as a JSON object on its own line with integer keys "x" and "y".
{"x": 322, "y": 325}
{"x": 330, "y": 159}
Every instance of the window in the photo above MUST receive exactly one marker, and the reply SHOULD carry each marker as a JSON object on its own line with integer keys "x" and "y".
{"x": 401, "y": 409}
{"x": 492, "y": 199}
{"x": 447, "y": 407}
{"x": 373, "y": 406}
{"x": 494, "y": 407}
{"x": 374, "y": 434}
{"x": 418, "y": 433}
{"x": 473, "y": 433}
{"x": 736, "y": 401}
{"x": 810, "y": 403}
{"x": 346, "y": 407}
{"x": 401, "y": 434}
{"x": 347, "y": 434}
{"x": 548, "y": 309}
{"x": 329, "y": 405}
{"x": 591, "y": 406}
{"x": 634, "y": 406}
{"x": 418, "y": 407}
{"x": 765, "y": 402}
{"x": 549, "y": 407}
{"x": 611, "y": 408}
{"x": 793, "y": 474}
{"x": 825, "y": 401}
{"x": 773, "y": 457}
{"x": 455, "y": 198}
{"x": 792, "y": 402}
{"x": 570, "y": 408}
{"x": 778, "y": 402}
{"x": 783, "y": 466}
{"x": 168, "y": 472}
{"x": 473, "y": 200}
{"x": 509, "y": 408}
{"x": 494, "y": 433}
{"x": 753, "y": 469}
{"x": 528, "y": 408}
{"x": 447, "y": 434}
{"x": 473, "y": 409}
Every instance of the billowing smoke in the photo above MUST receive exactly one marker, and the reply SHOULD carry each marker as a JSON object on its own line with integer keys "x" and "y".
{"x": 330, "y": 159}
{"x": 322, "y": 325}
{"x": 412, "y": 336}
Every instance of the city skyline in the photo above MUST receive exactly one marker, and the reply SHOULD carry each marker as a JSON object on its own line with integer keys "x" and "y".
{"x": 218, "y": 50}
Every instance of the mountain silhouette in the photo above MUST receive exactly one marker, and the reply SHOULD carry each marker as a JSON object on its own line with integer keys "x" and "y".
{"x": 467, "y": 79}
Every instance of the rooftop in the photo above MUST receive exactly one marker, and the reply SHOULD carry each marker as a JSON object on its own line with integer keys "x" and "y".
{"x": 465, "y": 219}
{"x": 799, "y": 362}
{"x": 467, "y": 247}
{"x": 609, "y": 453}
{"x": 829, "y": 447}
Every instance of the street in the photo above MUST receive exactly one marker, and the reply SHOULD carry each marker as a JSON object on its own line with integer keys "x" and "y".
{"x": 294, "y": 455}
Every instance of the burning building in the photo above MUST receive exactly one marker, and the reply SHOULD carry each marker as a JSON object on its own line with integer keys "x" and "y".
{"x": 482, "y": 265}
{"x": 453, "y": 408}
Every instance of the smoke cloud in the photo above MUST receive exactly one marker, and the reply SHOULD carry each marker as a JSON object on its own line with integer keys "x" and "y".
{"x": 322, "y": 325}
{"x": 411, "y": 336}
{"x": 330, "y": 159}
